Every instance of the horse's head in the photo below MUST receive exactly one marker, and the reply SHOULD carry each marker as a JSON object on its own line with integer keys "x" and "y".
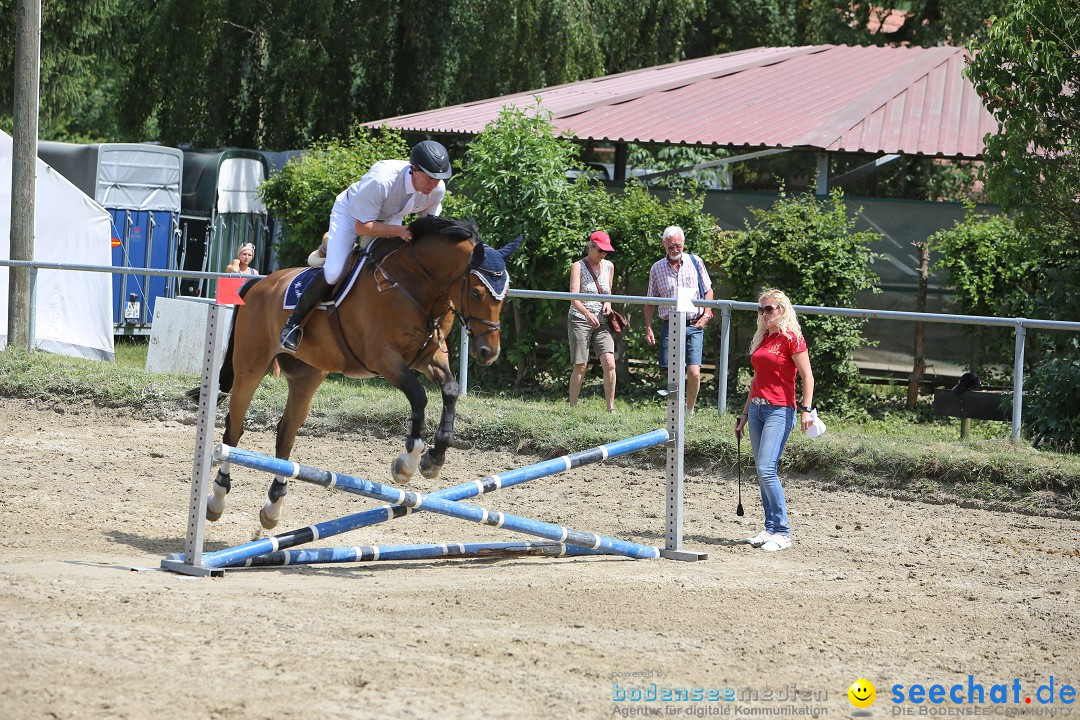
{"x": 483, "y": 291}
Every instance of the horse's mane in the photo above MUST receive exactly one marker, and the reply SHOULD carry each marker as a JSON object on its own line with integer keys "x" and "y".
{"x": 450, "y": 228}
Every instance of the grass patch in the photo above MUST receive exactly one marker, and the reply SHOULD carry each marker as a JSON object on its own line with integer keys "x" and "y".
{"x": 889, "y": 450}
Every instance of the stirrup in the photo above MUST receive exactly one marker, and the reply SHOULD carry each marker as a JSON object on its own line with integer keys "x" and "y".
{"x": 291, "y": 337}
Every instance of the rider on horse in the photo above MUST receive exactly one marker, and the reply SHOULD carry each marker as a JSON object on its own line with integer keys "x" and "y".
{"x": 374, "y": 206}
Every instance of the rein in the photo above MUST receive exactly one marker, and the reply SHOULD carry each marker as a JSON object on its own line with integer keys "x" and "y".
{"x": 385, "y": 281}
{"x": 461, "y": 310}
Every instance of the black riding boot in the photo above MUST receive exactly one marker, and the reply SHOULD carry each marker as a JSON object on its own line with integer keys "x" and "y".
{"x": 316, "y": 291}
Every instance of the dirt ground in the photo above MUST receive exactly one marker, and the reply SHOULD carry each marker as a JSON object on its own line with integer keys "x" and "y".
{"x": 898, "y": 592}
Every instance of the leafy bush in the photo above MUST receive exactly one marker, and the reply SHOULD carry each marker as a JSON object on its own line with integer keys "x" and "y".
{"x": 989, "y": 272}
{"x": 1052, "y": 403}
{"x": 636, "y": 223}
{"x": 805, "y": 247}
{"x": 302, "y": 194}
{"x": 514, "y": 182}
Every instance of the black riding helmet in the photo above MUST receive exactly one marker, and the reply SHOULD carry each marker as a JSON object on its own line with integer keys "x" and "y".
{"x": 432, "y": 158}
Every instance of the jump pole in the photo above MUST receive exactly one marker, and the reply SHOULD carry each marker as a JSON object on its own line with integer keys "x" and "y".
{"x": 236, "y": 556}
{"x": 431, "y": 551}
{"x": 418, "y": 501}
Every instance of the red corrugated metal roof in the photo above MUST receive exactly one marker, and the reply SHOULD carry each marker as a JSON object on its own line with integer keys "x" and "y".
{"x": 911, "y": 101}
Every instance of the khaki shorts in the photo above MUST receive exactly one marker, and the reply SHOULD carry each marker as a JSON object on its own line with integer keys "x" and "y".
{"x": 584, "y": 337}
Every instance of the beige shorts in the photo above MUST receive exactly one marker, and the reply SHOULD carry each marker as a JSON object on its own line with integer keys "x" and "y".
{"x": 584, "y": 337}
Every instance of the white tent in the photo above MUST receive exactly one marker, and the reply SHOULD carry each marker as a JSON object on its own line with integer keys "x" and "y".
{"x": 73, "y": 310}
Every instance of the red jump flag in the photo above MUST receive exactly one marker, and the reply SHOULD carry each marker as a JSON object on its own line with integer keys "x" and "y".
{"x": 228, "y": 291}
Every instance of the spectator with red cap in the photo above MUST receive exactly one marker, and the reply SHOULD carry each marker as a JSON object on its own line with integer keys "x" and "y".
{"x": 588, "y": 322}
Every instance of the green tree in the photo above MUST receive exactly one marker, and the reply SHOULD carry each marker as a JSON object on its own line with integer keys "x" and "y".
{"x": 805, "y": 247}
{"x": 280, "y": 73}
{"x": 302, "y": 194}
{"x": 79, "y": 67}
{"x": 1027, "y": 70}
{"x": 642, "y": 34}
{"x": 658, "y": 158}
{"x": 985, "y": 255}
{"x": 926, "y": 22}
{"x": 729, "y": 25}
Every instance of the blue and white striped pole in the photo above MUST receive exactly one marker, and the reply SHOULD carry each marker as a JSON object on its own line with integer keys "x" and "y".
{"x": 429, "y": 551}
{"x": 420, "y": 501}
{"x": 231, "y": 557}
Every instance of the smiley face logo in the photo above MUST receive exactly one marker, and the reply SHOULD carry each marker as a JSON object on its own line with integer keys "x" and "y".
{"x": 862, "y": 693}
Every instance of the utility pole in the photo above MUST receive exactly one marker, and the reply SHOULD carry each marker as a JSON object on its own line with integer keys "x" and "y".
{"x": 23, "y": 168}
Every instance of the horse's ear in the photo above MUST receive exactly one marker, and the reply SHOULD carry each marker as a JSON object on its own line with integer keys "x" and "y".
{"x": 477, "y": 258}
{"x": 508, "y": 249}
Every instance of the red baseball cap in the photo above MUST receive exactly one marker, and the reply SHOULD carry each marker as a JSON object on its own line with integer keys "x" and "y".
{"x": 601, "y": 240}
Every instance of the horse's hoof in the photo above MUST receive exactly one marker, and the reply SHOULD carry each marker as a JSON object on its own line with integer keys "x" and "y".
{"x": 212, "y": 515}
{"x": 429, "y": 469}
{"x": 399, "y": 470}
{"x": 268, "y": 522}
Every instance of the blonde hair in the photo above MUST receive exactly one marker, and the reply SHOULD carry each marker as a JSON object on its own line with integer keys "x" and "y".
{"x": 788, "y": 324}
{"x": 246, "y": 246}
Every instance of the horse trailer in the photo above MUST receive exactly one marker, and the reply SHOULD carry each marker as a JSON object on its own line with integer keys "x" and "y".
{"x": 220, "y": 210}
{"x": 139, "y": 186}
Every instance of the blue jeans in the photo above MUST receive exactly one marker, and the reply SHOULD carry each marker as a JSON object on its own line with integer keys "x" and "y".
{"x": 695, "y": 337}
{"x": 770, "y": 426}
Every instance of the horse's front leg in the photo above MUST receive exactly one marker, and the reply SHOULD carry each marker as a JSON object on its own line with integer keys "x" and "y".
{"x": 405, "y": 465}
{"x": 432, "y": 460}
{"x": 244, "y": 385}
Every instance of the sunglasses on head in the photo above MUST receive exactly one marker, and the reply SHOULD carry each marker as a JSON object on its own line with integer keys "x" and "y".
{"x": 766, "y": 309}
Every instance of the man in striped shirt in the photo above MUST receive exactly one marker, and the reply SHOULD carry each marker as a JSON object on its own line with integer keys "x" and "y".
{"x": 678, "y": 269}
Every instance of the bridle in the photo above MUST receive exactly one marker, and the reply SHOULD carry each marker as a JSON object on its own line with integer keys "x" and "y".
{"x": 463, "y": 315}
{"x": 462, "y": 312}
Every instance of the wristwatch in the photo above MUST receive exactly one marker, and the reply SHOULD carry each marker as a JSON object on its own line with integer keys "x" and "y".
{"x": 807, "y": 408}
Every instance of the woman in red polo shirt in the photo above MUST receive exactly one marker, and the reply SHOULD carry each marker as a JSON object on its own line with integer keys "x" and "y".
{"x": 777, "y": 352}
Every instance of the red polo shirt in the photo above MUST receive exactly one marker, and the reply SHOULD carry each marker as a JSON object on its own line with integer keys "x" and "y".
{"x": 774, "y": 370}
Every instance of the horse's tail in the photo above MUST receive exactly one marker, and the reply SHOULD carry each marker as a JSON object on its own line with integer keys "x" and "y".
{"x": 225, "y": 375}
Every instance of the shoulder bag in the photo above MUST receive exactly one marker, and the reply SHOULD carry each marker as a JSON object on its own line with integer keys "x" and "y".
{"x": 615, "y": 320}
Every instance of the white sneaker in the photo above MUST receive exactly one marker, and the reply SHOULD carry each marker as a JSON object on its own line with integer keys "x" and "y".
{"x": 777, "y": 542}
{"x": 758, "y": 540}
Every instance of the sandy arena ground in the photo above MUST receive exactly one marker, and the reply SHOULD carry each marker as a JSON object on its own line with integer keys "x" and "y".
{"x": 896, "y": 592}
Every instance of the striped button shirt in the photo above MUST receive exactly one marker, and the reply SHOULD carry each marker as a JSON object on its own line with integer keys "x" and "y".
{"x": 663, "y": 279}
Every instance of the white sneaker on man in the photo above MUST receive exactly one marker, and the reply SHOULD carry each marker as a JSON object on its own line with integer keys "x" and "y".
{"x": 777, "y": 542}
{"x": 758, "y": 540}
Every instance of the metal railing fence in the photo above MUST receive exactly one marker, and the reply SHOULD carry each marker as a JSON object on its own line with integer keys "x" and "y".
{"x": 1020, "y": 325}
{"x": 725, "y": 307}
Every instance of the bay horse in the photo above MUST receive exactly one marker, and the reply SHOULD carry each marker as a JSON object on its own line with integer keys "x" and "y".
{"x": 394, "y": 320}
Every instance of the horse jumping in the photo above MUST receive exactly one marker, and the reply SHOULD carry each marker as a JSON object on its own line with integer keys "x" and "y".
{"x": 394, "y": 320}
